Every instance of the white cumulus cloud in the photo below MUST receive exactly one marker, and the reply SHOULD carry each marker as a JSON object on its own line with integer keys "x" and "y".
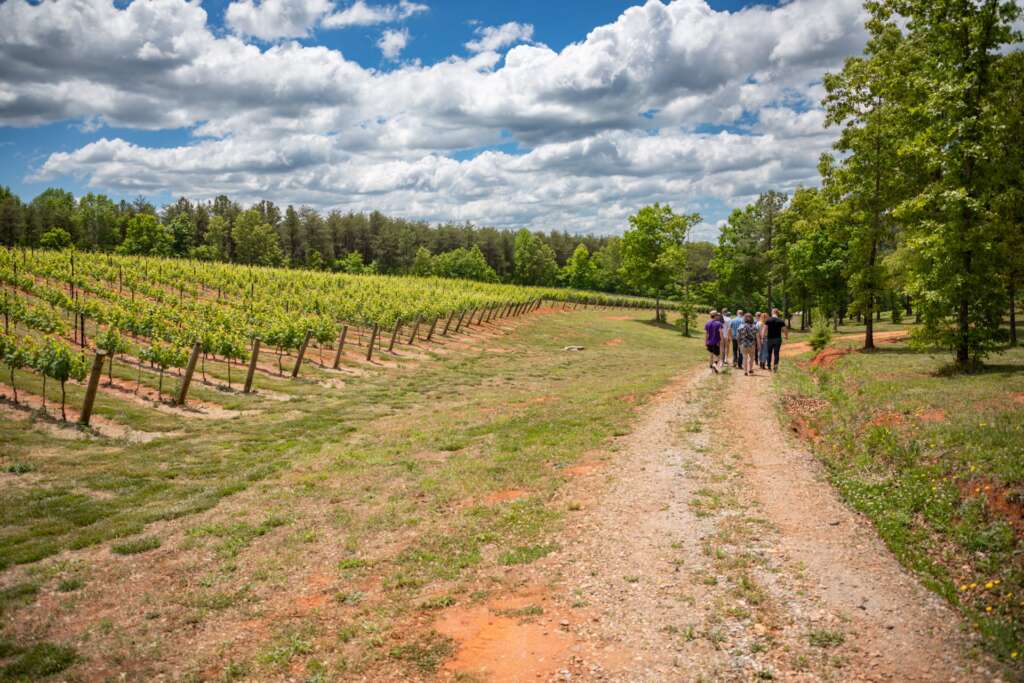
{"x": 273, "y": 19}
{"x": 361, "y": 14}
{"x": 392, "y": 42}
{"x": 492, "y": 38}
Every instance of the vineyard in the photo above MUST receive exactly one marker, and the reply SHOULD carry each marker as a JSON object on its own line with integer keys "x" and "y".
{"x": 64, "y": 312}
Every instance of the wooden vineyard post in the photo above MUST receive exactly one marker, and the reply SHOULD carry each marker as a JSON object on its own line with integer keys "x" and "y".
{"x": 448, "y": 324}
{"x": 252, "y": 365}
{"x": 302, "y": 354}
{"x": 187, "y": 379}
{"x": 430, "y": 334}
{"x": 373, "y": 338}
{"x": 480, "y": 320}
{"x": 415, "y": 329}
{"x": 341, "y": 346}
{"x": 90, "y": 389}
{"x": 394, "y": 335}
{"x": 458, "y": 325}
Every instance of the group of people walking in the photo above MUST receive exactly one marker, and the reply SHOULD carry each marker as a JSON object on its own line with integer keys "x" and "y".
{"x": 750, "y": 337}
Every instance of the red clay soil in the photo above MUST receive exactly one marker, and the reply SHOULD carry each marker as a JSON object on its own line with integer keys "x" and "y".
{"x": 584, "y": 468}
{"x": 496, "y": 497}
{"x": 1017, "y": 396}
{"x": 796, "y": 348}
{"x": 826, "y": 358}
{"x": 1007, "y": 503}
{"x": 932, "y": 415}
{"x": 502, "y": 641}
{"x": 613, "y": 342}
{"x": 886, "y": 419}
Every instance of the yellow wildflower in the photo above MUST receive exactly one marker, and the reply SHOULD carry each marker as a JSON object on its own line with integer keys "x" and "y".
{"x": 988, "y": 586}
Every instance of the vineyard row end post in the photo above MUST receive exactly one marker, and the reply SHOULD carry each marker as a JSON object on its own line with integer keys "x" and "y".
{"x": 186, "y": 380}
{"x": 373, "y": 338}
{"x": 448, "y": 324}
{"x": 341, "y": 346}
{"x": 90, "y": 390}
{"x": 415, "y": 329}
{"x": 394, "y": 335}
{"x": 302, "y": 354}
{"x": 433, "y": 325}
{"x": 252, "y": 365}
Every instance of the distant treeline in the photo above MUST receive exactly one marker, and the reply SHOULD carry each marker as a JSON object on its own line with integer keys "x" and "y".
{"x": 266, "y": 234}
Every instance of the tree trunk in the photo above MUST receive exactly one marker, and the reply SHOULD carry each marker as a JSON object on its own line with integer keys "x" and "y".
{"x": 1013, "y": 312}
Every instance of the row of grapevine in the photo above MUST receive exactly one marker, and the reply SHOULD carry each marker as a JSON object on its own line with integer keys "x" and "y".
{"x": 169, "y": 306}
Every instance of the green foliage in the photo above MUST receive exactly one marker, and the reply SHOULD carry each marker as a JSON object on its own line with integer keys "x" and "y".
{"x": 534, "y": 260}
{"x": 256, "y": 242}
{"x": 579, "y": 269}
{"x": 465, "y": 264}
{"x": 55, "y": 238}
{"x": 147, "y": 236}
{"x": 821, "y": 335}
{"x": 653, "y": 255}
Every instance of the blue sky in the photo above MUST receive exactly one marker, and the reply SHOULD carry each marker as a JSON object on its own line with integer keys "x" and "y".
{"x": 392, "y": 106}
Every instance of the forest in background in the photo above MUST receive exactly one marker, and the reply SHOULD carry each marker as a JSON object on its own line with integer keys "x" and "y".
{"x": 358, "y": 243}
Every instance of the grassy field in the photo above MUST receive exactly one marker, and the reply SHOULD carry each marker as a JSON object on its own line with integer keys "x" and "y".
{"x": 935, "y": 460}
{"x": 314, "y": 537}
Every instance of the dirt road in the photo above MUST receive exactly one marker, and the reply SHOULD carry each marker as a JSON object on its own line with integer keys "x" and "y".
{"x": 710, "y": 547}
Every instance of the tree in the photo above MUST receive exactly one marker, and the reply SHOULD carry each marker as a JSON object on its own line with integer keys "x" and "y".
{"x": 55, "y": 238}
{"x": 579, "y": 270}
{"x": 1005, "y": 117}
{"x": 534, "y": 261}
{"x": 12, "y": 218}
{"x": 866, "y": 101}
{"x": 467, "y": 264}
{"x": 766, "y": 214}
{"x": 183, "y": 234}
{"x": 653, "y": 250}
{"x": 53, "y": 208}
{"x": 422, "y": 263}
{"x": 816, "y": 255}
{"x": 739, "y": 262}
{"x": 215, "y": 241}
{"x": 293, "y": 237}
{"x": 96, "y": 222}
{"x": 256, "y": 243}
{"x": 607, "y": 264}
{"x": 147, "y": 236}
{"x": 950, "y": 221}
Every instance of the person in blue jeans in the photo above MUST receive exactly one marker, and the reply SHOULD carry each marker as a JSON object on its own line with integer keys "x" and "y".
{"x": 734, "y": 325}
{"x": 775, "y": 330}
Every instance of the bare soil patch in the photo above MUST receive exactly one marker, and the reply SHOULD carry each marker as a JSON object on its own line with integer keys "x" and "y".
{"x": 932, "y": 415}
{"x": 826, "y": 358}
{"x": 512, "y": 638}
{"x": 505, "y": 496}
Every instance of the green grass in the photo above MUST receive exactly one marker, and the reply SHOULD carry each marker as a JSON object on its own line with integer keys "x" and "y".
{"x": 936, "y": 461}
{"x": 136, "y": 546}
{"x": 35, "y": 662}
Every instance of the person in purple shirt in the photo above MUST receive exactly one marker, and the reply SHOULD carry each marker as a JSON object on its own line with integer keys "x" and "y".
{"x": 713, "y": 339}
